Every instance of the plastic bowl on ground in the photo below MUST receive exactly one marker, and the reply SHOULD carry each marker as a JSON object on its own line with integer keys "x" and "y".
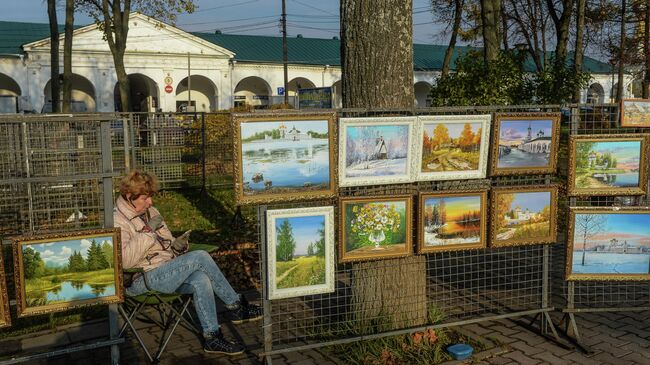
{"x": 460, "y": 351}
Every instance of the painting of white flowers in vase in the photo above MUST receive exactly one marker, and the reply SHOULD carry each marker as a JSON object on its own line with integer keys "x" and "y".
{"x": 375, "y": 228}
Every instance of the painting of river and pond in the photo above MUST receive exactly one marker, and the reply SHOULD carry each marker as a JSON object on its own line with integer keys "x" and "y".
{"x": 609, "y": 245}
{"x": 64, "y": 272}
{"x": 285, "y": 159}
{"x": 608, "y": 166}
{"x": 524, "y": 216}
{"x": 452, "y": 221}
{"x": 525, "y": 143}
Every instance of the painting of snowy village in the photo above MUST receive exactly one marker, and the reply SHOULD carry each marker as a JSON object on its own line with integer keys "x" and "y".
{"x": 608, "y": 166}
{"x": 452, "y": 221}
{"x": 284, "y": 159}
{"x": 375, "y": 151}
{"x": 608, "y": 245}
{"x": 525, "y": 144}
{"x": 62, "y": 272}
{"x": 635, "y": 113}
{"x": 301, "y": 251}
{"x": 523, "y": 216}
{"x": 375, "y": 228}
{"x": 452, "y": 147}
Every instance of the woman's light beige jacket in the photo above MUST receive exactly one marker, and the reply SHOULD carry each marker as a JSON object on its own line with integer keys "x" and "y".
{"x": 141, "y": 249}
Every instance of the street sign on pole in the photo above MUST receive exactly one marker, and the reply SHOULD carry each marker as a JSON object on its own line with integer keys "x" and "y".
{"x": 280, "y": 90}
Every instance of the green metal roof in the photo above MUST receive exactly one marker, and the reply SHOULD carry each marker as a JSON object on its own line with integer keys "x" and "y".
{"x": 254, "y": 48}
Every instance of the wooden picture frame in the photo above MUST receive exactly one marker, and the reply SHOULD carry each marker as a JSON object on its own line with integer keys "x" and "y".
{"x": 374, "y": 151}
{"x": 51, "y": 271}
{"x": 372, "y": 228}
{"x": 276, "y": 159}
{"x": 635, "y": 113}
{"x": 461, "y": 210}
{"x": 614, "y": 243}
{"x": 464, "y": 154}
{"x": 522, "y": 145}
{"x": 523, "y": 215}
{"x": 291, "y": 270}
{"x": 611, "y": 165}
{"x": 5, "y": 315}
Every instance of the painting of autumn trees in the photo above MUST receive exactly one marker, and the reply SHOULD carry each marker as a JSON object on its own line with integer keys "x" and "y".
{"x": 524, "y": 216}
{"x": 451, "y": 146}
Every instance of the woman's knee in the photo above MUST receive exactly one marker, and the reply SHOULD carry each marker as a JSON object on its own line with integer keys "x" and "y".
{"x": 200, "y": 282}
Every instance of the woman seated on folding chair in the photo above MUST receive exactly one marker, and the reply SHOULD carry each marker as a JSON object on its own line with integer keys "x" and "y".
{"x": 147, "y": 243}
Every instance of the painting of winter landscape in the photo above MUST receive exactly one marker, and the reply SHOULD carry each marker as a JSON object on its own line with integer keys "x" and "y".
{"x": 283, "y": 158}
{"x": 525, "y": 145}
{"x": 606, "y": 244}
{"x": 375, "y": 151}
{"x": 301, "y": 251}
{"x": 62, "y": 272}
{"x": 635, "y": 113}
{"x": 452, "y": 147}
{"x": 452, "y": 221}
{"x": 523, "y": 216}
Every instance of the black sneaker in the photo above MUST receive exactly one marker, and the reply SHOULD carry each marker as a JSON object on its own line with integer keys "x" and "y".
{"x": 245, "y": 312}
{"x": 217, "y": 344}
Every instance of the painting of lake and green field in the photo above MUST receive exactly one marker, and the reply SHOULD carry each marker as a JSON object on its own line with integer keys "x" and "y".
{"x": 60, "y": 273}
{"x": 607, "y": 164}
{"x": 609, "y": 245}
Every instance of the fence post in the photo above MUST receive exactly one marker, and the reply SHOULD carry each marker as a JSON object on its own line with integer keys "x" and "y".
{"x": 203, "y": 152}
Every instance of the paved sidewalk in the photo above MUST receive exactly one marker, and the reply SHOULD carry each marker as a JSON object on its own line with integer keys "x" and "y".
{"x": 615, "y": 338}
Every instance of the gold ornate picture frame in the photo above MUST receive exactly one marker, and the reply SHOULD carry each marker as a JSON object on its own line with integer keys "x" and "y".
{"x": 284, "y": 157}
{"x": 608, "y": 164}
{"x": 525, "y": 143}
{"x": 635, "y": 113}
{"x": 57, "y": 272}
{"x": 453, "y": 220}
{"x": 607, "y": 243}
{"x": 5, "y": 317}
{"x": 372, "y": 228}
{"x": 523, "y": 215}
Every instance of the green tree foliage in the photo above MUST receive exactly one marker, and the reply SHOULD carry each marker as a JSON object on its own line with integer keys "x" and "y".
{"x": 96, "y": 259}
{"x": 319, "y": 246}
{"x": 107, "y": 250}
{"x": 286, "y": 243}
{"x": 582, "y": 154}
{"x": 76, "y": 262}
{"x": 32, "y": 263}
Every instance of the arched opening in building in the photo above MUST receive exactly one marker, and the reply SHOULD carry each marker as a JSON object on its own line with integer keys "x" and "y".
{"x": 253, "y": 91}
{"x": 422, "y": 90}
{"x": 9, "y": 91}
{"x": 203, "y": 94}
{"x": 144, "y": 94}
{"x": 595, "y": 94}
{"x": 83, "y": 95}
{"x": 296, "y": 84}
{"x": 337, "y": 95}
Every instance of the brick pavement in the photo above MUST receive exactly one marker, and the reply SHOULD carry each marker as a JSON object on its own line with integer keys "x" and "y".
{"x": 615, "y": 338}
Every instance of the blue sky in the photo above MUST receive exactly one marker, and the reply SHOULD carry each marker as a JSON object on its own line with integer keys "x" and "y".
{"x": 629, "y": 223}
{"x": 249, "y": 129}
{"x": 57, "y": 253}
{"x": 454, "y": 128}
{"x": 534, "y": 201}
{"x": 625, "y": 151}
{"x": 511, "y": 130}
{"x": 386, "y": 131}
{"x": 305, "y": 230}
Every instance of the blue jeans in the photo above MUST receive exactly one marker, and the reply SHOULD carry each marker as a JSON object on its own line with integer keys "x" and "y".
{"x": 193, "y": 273}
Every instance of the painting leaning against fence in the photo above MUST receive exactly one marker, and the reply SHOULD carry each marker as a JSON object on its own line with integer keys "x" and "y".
{"x": 609, "y": 245}
{"x": 300, "y": 251}
{"x": 58, "y": 272}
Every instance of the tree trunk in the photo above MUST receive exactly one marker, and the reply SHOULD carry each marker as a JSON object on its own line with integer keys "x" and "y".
{"x": 646, "y": 51}
{"x": 562, "y": 24}
{"x": 55, "y": 86}
{"x": 116, "y": 30}
{"x": 490, "y": 17}
{"x": 504, "y": 26}
{"x": 458, "y": 16}
{"x": 377, "y": 53}
{"x": 67, "y": 56}
{"x": 621, "y": 55}
{"x": 377, "y": 70}
{"x": 123, "y": 83}
{"x": 580, "y": 50}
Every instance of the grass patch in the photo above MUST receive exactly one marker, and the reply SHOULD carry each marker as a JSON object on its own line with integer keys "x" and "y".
{"x": 309, "y": 270}
{"x": 532, "y": 230}
{"x": 47, "y": 283}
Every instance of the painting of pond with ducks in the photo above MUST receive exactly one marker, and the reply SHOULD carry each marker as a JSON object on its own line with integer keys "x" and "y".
{"x": 59, "y": 272}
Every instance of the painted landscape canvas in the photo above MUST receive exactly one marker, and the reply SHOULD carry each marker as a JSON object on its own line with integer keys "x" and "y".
{"x": 65, "y": 272}
{"x": 522, "y": 217}
{"x": 451, "y": 146}
{"x": 375, "y": 153}
{"x": 608, "y": 166}
{"x": 375, "y": 228}
{"x": 635, "y": 113}
{"x": 302, "y": 254}
{"x": 525, "y": 145}
{"x": 452, "y": 221}
{"x": 609, "y": 245}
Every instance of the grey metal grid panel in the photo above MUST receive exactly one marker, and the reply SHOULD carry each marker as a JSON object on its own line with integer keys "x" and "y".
{"x": 599, "y": 120}
{"x": 470, "y": 284}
